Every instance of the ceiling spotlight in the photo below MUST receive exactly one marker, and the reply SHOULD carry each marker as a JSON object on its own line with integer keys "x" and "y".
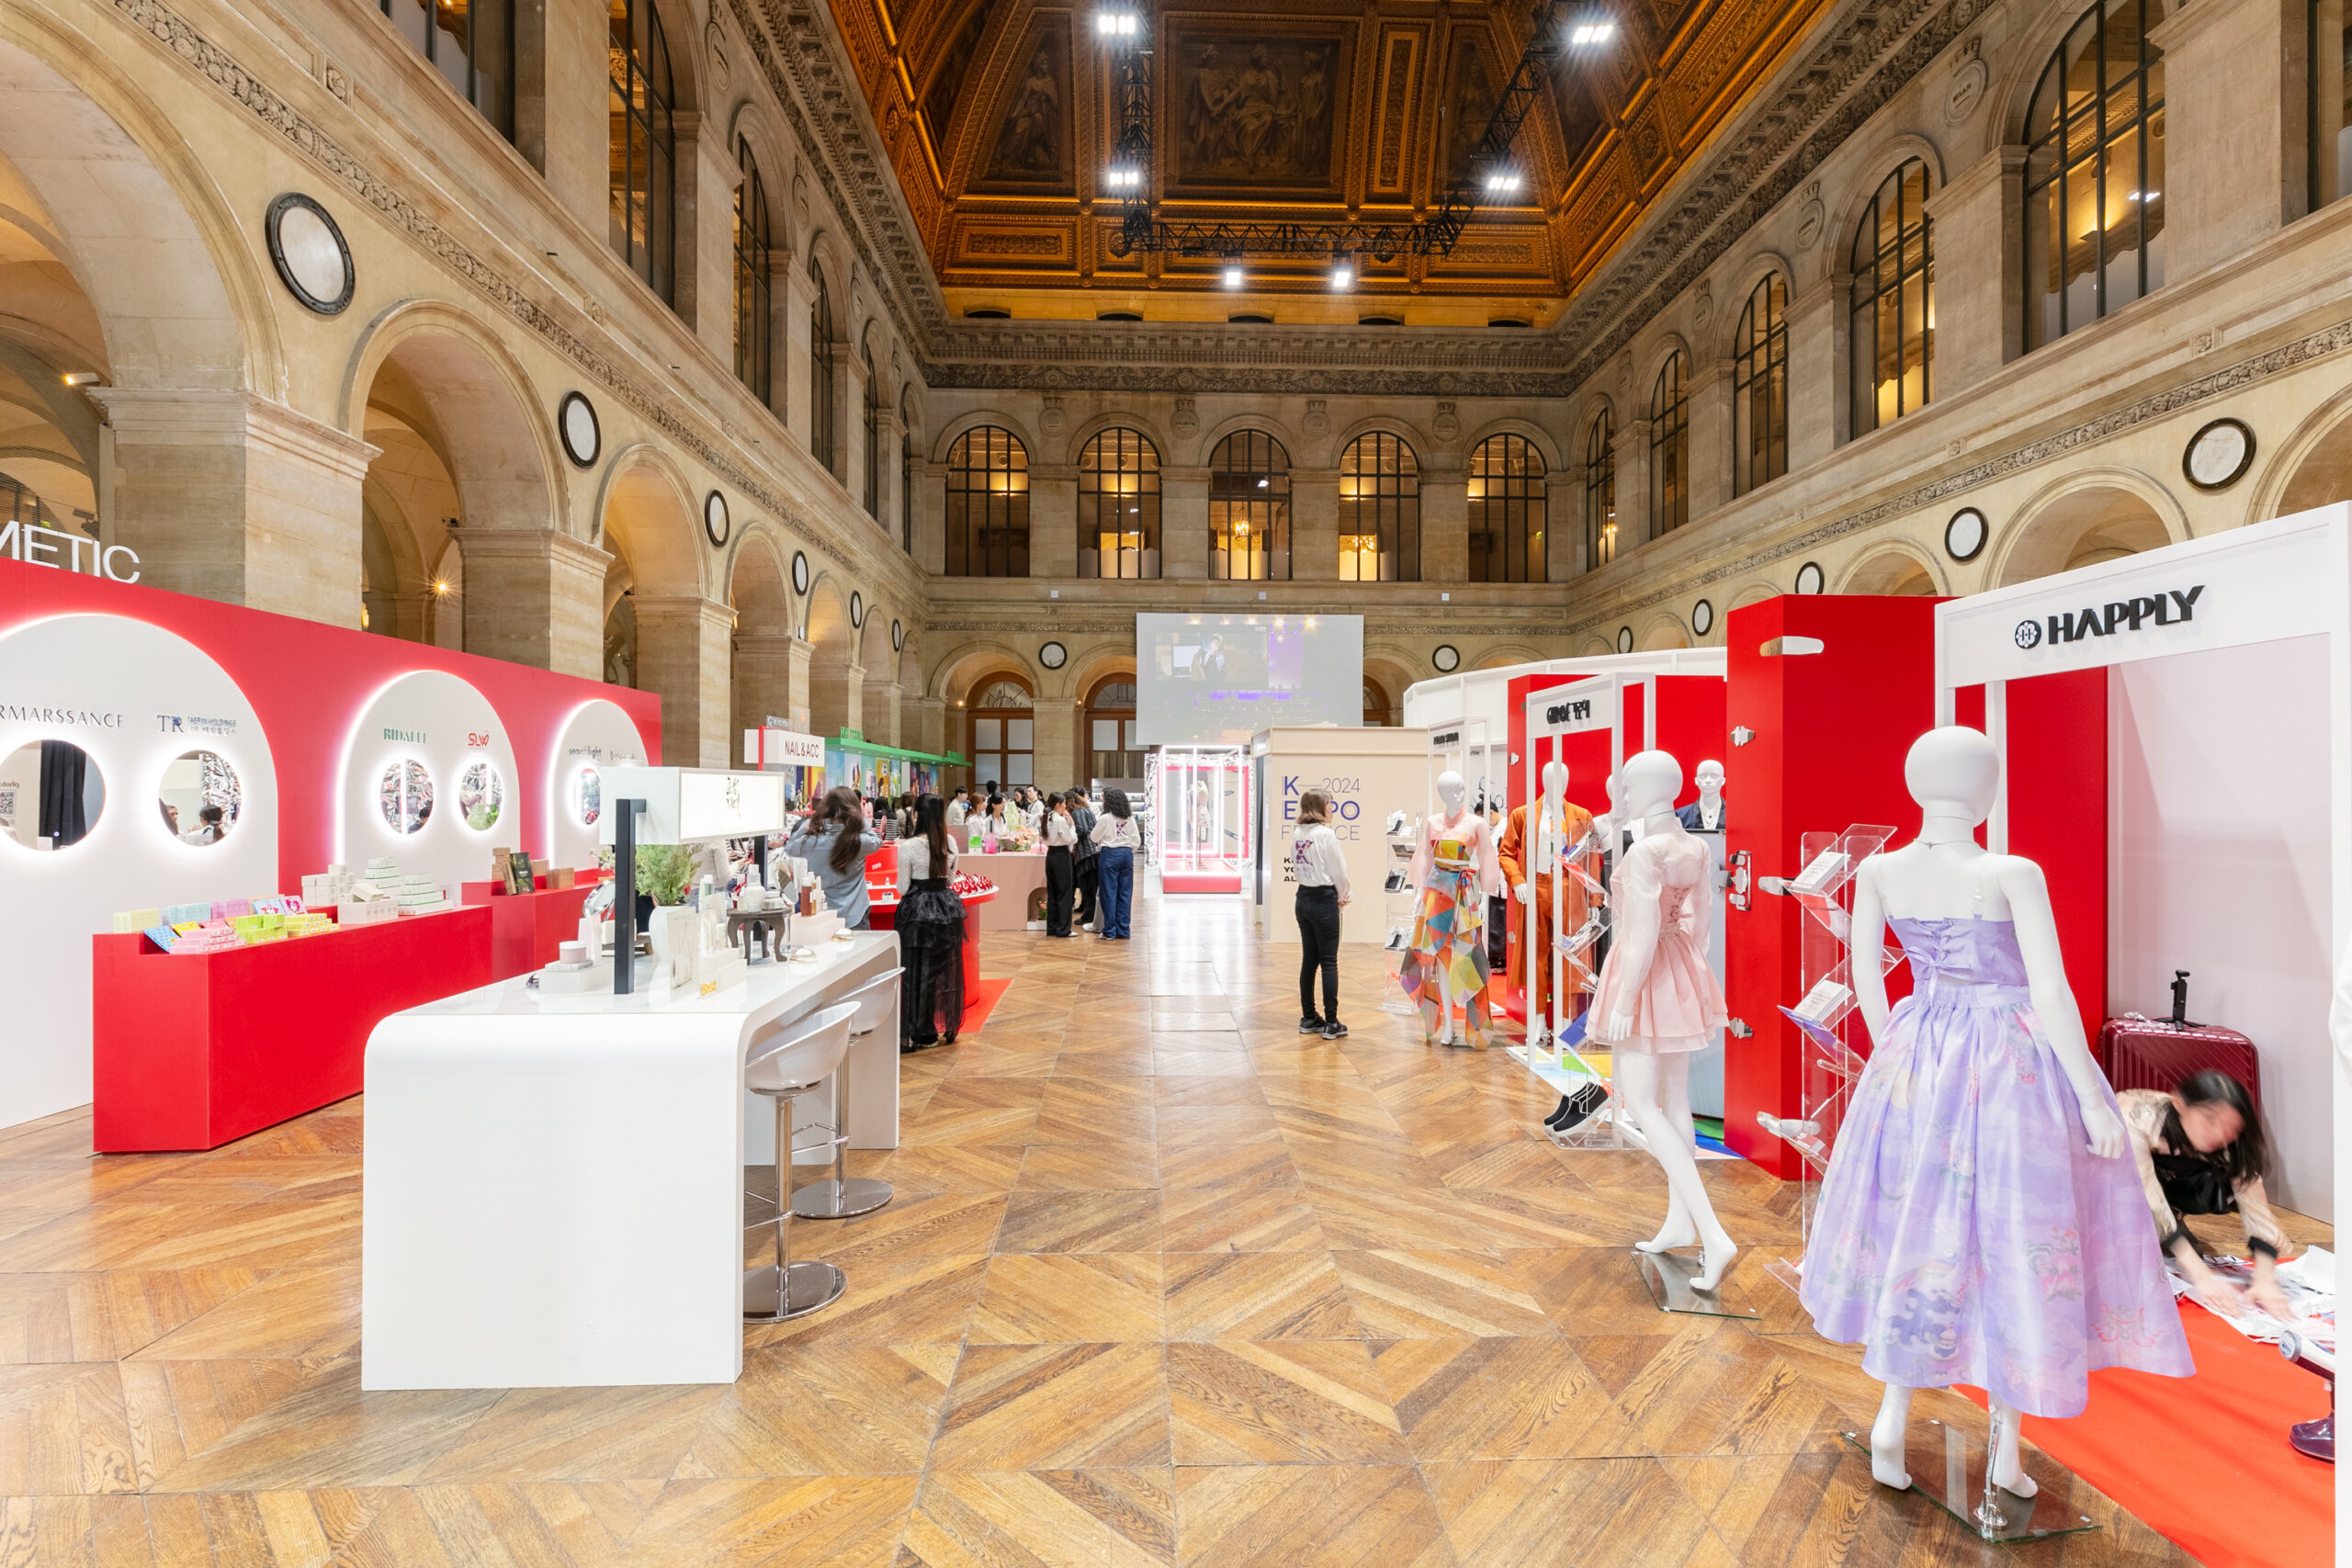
{"x": 1125, "y": 176}
{"x": 1501, "y": 182}
{"x": 1117, "y": 23}
{"x": 1343, "y": 269}
{"x": 81, "y": 377}
{"x": 1590, "y": 34}
{"x": 1233, "y": 272}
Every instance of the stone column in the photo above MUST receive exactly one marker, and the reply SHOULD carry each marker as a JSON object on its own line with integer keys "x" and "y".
{"x": 836, "y": 697}
{"x": 1563, "y": 525}
{"x": 885, "y": 476}
{"x": 1314, "y": 524}
{"x": 233, "y": 497}
{"x": 2226, "y": 126}
{"x": 763, "y": 672}
{"x": 931, "y": 513}
{"x": 878, "y": 710}
{"x": 1055, "y": 739}
{"x": 702, "y": 263}
{"x": 793, "y": 297}
{"x": 562, "y": 76}
{"x": 924, "y": 720}
{"x": 1814, "y": 383}
{"x": 1710, "y": 438}
{"x": 1979, "y": 287}
{"x": 1445, "y": 523}
{"x": 535, "y": 596}
{"x": 1183, "y": 522}
{"x": 853, "y": 426}
{"x": 1052, "y": 520}
{"x": 1635, "y": 525}
{"x": 683, "y": 656}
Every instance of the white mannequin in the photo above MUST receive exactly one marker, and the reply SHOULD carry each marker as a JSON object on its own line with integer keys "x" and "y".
{"x": 1549, "y": 852}
{"x": 1954, "y": 773}
{"x": 1656, "y": 1088}
{"x": 1710, "y": 779}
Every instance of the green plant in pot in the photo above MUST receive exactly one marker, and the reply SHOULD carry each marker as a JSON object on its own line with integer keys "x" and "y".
{"x": 664, "y": 872}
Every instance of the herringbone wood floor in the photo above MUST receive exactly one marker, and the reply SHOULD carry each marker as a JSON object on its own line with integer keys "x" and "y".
{"x": 1164, "y": 1284}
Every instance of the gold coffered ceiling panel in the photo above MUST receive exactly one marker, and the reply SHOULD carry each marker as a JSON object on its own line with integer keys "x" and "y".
{"x": 997, "y": 115}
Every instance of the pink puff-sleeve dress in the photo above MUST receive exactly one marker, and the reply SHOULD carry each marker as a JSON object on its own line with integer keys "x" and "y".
{"x": 1659, "y": 895}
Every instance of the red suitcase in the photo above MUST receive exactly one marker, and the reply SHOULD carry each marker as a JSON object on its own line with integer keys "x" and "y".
{"x": 2157, "y": 1053}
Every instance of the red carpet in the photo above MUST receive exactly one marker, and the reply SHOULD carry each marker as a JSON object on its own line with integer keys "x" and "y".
{"x": 2204, "y": 1459}
{"x": 982, "y": 1002}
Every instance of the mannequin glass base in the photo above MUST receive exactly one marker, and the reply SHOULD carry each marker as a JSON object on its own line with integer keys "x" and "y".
{"x": 1669, "y": 1276}
{"x": 1946, "y": 1466}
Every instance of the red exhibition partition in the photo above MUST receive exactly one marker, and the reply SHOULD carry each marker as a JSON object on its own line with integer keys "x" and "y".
{"x": 2058, "y": 813}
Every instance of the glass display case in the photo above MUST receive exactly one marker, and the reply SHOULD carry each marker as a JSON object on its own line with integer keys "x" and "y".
{"x": 1200, "y": 822}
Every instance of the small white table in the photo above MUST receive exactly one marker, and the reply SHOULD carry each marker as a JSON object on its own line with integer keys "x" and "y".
{"x": 553, "y": 1187}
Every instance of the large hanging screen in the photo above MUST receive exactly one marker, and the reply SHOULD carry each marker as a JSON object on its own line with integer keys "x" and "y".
{"x": 1221, "y": 679}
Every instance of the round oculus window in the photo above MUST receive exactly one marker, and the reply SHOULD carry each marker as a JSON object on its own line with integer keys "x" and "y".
{"x": 1448, "y": 659}
{"x": 576, "y": 426}
{"x": 1053, "y": 655}
{"x": 309, "y": 251}
{"x": 799, "y": 571}
{"x": 2218, "y": 455}
{"x": 1703, "y": 618}
{"x": 1624, "y": 639}
{"x": 857, "y": 609}
{"x": 714, "y": 517}
{"x": 1966, "y": 534}
{"x": 898, "y": 636}
{"x": 1809, "y": 578}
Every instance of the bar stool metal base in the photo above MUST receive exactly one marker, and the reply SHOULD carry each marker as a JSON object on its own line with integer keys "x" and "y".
{"x": 809, "y": 1286}
{"x": 841, "y": 1200}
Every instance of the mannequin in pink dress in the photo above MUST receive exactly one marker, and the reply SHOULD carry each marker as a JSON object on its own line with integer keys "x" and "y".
{"x": 1657, "y": 1003}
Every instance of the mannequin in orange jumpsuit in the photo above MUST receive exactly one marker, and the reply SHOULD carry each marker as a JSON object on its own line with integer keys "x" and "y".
{"x": 1516, "y": 852}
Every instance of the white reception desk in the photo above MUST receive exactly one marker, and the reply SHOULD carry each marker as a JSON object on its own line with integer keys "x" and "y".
{"x": 554, "y": 1187}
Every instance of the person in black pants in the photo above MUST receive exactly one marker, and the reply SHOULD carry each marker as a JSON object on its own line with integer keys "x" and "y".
{"x": 1061, "y": 863}
{"x": 1320, "y": 868}
{"x": 1082, "y": 816}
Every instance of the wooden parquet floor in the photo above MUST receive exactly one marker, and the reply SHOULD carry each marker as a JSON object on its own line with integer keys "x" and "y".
{"x": 1165, "y": 1283}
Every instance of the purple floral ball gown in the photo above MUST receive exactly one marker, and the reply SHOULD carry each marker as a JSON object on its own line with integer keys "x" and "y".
{"x": 1964, "y": 1234}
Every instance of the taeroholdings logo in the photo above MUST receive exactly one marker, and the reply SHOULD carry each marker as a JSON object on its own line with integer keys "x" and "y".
{"x": 1575, "y": 712}
{"x": 2174, "y": 607}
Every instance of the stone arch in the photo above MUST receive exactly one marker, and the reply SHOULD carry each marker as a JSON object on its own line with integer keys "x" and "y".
{"x": 1754, "y": 593}
{"x": 2030, "y": 47}
{"x": 1886, "y": 155}
{"x": 646, "y": 525}
{"x": 1546, "y": 444}
{"x": 1594, "y": 646}
{"x": 2086, "y": 517}
{"x": 772, "y": 151}
{"x": 829, "y": 255}
{"x": 1391, "y": 673}
{"x": 1237, "y": 423}
{"x": 1892, "y": 567}
{"x": 761, "y": 651}
{"x": 956, "y": 675}
{"x": 2312, "y": 467}
{"x": 1663, "y": 630}
{"x": 1506, "y": 653}
{"x": 1128, "y": 419}
{"x": 836, "y": 681}
{"x": 1739, "y": 284}
{"x": 1647, "y": 368}
{"x": 954, "y": 429}
{"x": 1421, "y": 444}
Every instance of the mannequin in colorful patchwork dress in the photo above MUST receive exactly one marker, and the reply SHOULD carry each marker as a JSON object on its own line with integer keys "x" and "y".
{"x": 1455, "y": 866}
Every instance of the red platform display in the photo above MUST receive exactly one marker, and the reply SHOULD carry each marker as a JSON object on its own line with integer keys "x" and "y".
{"x": 197, "y": 1050}
{"x": 882, "y": 916}
{"x": 526, "y": 929}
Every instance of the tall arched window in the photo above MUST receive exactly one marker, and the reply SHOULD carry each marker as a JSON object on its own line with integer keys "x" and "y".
{"x": 1380, "y": 511}
{"x": 873, "y": 438}
{"x": 1669, "y": 448}
{"x": 1599, "y": 495}
{"x": 1118, "y": 507}
{"x": 907, "y": 471}
{"x": 1759, "y": 388}
{"x": 754, "y": 241}
{"x": 2094, "y": 171}
{"x": 1112, "y": 752}
{"x": 1249, "y": 509}
{"x": 1506, "y": 543}
{"x": 987, "y": 504}
{"x": 1895, "y": 301}
{"x": 471, "y": 43}
{"x": 824, "y": 419}
{"x": 643, "y": 182}
{"x": 1004, "y": 734}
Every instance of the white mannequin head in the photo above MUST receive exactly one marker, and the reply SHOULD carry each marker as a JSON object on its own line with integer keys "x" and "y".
{"x": 1556, "y": 782}
{"x": 1955, "y": 773}
{"x": 1450, "y": 789}
{"x": 1651, "y": 779}
{"x": 1710, "y": 779}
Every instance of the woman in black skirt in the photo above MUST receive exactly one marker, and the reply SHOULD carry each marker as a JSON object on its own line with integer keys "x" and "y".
{"x": 931, "y": 932}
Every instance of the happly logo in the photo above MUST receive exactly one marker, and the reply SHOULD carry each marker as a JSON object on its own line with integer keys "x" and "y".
{"x": 2173, "y": 607}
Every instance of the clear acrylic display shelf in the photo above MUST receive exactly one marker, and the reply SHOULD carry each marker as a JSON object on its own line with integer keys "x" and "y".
{"x": 1398, "y": 897}
{"x": 1556, "y": 1061}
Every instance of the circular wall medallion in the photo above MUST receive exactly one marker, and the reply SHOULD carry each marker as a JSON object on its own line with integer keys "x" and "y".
{"x": 2219, "y": 453}
{"x": 1809, "y": 578}
{"x": 857, "y": 609}
{"x": 1703, "y": 617}
{"x": 576, "y": 426}
{"x": 1966, "y": 534}
{"x": 1624, "y": 639}
{"x": 714, "y": 517}
{"x": 799, "y": 572}
{"x": 1053, "y": 655}
{"x": 309, "y": 253}
{"x": 1448, "y": 659}
{"x": 898, "y": 636}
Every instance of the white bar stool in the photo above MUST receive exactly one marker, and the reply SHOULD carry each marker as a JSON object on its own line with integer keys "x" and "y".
{"x": 784, "y": 1068}
{"x": 845, "y": 1196}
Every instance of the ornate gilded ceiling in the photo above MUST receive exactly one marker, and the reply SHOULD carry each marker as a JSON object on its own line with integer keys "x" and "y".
{"x": 997, "y": 115}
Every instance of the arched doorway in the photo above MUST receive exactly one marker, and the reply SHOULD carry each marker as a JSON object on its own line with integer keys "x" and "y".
{"x": 1110, "y": 751}
{"x": 659, "y": 629}
{"x": 2083, "y": 527}
{"x": 1001, "y": 731}
{"x": 1375, "y": 705}
{"x": 835, "y": 694}
{"x": 1893, "y": 572}
{"x": 761, "y": 674}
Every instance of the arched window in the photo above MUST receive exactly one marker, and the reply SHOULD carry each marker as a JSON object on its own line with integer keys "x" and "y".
{"x": 1112, "y": 752}
{"x": 987, "y": 504}
{"x": 906, "y": 472}
{"x": 1004, "y": 734}
{"x": 1249, "y": 509}
{"x": 873, "y": 438}
{"x": 824, "y": 426}
{"x": 1895, "y": 301}
{"x": 1599, "y": 495}
{"x": 1506, "y": 543}
{"x": 643, "y": 182}
{"x": 1669, "y": 449}
{"x": 754, "y": 239}
{"x": 1759, "y": 388}
{"x": 1380, "y": 511}
{"x": 2094, "y": 171}
{"x": 471, "y": 43}
{"x": 1376, "y": 705}
{"x": 1118, "y": 508}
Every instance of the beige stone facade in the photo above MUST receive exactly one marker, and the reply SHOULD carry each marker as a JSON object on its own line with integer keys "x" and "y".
{"x": 399, "y": 463}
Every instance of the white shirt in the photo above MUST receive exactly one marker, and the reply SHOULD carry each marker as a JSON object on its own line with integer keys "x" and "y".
{"x": 1116, "y": 832}
{"x": 1317, "y": 860}
{"x": 957, "y": 812}
{"x": 914, "y": 861}
{"x": 1060, "y": 830}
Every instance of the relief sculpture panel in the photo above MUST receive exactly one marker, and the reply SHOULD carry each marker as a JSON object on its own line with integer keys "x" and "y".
{"x": 1255, "y": 111}
{"x": 1033, "y": 139}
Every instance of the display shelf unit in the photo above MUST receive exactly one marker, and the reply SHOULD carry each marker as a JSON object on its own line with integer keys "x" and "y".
{"x": 1399, "y": 899}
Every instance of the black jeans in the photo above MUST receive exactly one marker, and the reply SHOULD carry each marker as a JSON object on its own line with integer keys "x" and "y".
{"x": 1061, "y": 877}
{"x": 1318, "y": 948}
{"x": 1085, "y": 886}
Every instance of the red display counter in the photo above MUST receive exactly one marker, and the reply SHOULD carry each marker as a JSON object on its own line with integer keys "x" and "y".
{"x": 884, "y": 916}
{"x": 525, "y": 928}
{"x": 197, "y": 1050}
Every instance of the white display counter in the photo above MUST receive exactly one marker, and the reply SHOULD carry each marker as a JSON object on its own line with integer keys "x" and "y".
{"x": 554, "y": 1187}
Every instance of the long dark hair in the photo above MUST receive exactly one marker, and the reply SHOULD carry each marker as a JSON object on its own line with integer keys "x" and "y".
{"x": 846, "y": 814}
{"x": 1114, "y": 801}
{"x": 2249, "y": 1156}
{"x": 931, "y": 827}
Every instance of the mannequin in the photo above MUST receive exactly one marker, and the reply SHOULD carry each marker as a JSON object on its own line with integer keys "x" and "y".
{"x": 1981, "y": 1113}
{"x": 1705, "y": 815}
{"x": 1659, "y": 1003}
{"x": 1559, "y": 903}
{"x": 1454, "y": 865}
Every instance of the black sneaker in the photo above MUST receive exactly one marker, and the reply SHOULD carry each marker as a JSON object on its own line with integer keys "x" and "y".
{"x": 1335, "y": 1030}
{"x": 1310, "y": 1024}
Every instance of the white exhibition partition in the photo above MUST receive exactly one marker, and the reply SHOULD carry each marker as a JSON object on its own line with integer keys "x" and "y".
{"x": 429, "y": 779}
{"x": 2230, "y": 786}
{"x": 1486, "y": 695}
{"x": 1368, "y": 773}
{"x": 599, "y": 736}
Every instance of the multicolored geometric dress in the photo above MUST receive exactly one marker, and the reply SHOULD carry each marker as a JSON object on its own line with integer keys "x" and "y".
{"x": 1964, "y": 1234}
{"x": 1449, "y": 931}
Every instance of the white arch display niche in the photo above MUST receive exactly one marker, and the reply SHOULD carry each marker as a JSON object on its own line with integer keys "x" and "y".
{"x": 599, "y": 735}
{"x": 429, "y": 779}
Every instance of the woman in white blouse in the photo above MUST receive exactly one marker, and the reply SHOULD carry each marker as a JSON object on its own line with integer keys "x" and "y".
{"x": 1061, "y": 863}
{"x": 1115, "y": 840}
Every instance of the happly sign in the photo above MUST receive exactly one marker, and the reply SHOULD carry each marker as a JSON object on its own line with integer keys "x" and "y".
{"x": 2168, "y": 607}
{"x": 37, "y": 545}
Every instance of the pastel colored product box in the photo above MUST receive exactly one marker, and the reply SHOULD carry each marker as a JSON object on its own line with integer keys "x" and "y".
{"x": 137, "y": 920}
{"x": 163, "y": 937}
